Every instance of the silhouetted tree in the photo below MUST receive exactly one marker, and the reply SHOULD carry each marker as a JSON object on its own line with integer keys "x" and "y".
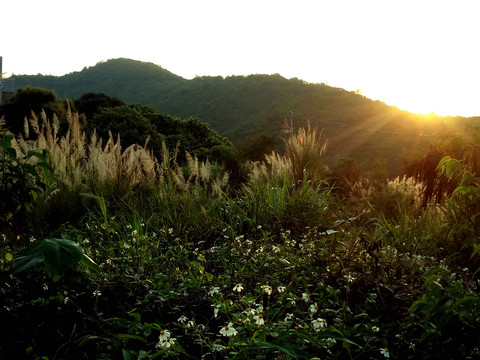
{"x": 31, "y": 99}
{"x": 92, "y": 103}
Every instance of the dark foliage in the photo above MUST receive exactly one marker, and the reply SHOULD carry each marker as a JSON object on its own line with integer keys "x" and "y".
{"x": 33, "y": 100}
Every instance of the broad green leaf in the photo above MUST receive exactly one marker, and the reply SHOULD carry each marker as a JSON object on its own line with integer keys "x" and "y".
{"x": 58, "y": 256}
{"x": 61, "y": 254}
{"x": 26, "y": 262}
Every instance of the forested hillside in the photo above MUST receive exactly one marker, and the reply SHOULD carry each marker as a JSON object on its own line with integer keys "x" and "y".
{"x": 257, "y": 107}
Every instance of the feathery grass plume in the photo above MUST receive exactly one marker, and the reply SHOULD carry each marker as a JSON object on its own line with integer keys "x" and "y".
{"x": 34, "y": 123}
{"x": 178, "y": 178}
{"x": 275, "y": 168}
{"x": 192, "y": 163}
{"x": 26, "y": 128}
{"x": 205, "y": 171}
{"x": 219, "y": 185}
{"x": 75, "y": 160}
{"x": 305, "y": 150}
{"x": 139, "y": 164}
{"x": 3, "y": 123}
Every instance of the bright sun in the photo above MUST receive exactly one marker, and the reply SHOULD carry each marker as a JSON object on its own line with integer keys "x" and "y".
{"x": 427, "y": 100}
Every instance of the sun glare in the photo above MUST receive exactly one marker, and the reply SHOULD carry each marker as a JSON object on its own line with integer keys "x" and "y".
{"x": 426, "y": 101}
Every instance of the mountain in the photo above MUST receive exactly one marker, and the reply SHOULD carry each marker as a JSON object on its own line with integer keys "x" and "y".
{"x": 245, "y": 107}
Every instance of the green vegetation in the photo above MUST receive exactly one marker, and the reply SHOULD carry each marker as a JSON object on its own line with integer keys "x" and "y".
{"x": 245, "y": 109}
{"x": 163, "y": 256}
{"x": 107, "y": 116}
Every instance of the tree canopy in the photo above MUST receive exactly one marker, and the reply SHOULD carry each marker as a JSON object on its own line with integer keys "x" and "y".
{"x": 33, "y": 100}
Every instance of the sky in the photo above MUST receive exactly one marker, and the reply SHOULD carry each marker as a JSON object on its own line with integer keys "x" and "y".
{"x": 421, "y": 56}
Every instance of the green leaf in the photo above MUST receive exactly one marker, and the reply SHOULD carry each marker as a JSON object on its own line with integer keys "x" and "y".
{"x": 6, "y": 140}
{"x": 23, "y": 263}
{"x": 61, "y": 254}
{"x": 58, "y": 256}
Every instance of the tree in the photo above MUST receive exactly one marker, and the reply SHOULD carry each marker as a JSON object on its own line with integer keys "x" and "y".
{"x": 31, "y": 99}
{"x": 128, "y": 122}
{"x": 92, "y": 103}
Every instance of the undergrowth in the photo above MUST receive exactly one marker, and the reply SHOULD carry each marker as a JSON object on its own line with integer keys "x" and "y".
{"x": 284, "y": 266}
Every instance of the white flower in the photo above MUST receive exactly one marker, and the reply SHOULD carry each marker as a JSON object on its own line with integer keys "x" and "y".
{"x": 281, "y": 289}
{"x": 385, "y": 352}
{"x": 259, "y": 320}
{"x": 319, "y": 323}
{"x": 238, "y": 287}
{"x": 213, "y": 290}
{"x": 164, "y": 335}
{"x": 306, "y": 297}
{"x": 259, "y": 308}
{"x": 288, "y": 316}
{"x": 375, "y": 329}
{"x": 313, "y": 308}
{"x": 267, "y": 289}
{"x": 228, "y": 330}
{"x": 97, "y": 293}
{"x": 349, "y": 278}
{"x": 182, "y": 319}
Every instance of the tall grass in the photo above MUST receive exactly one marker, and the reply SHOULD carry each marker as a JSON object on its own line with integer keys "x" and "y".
{"x": 88, "y": 169}
{"x": 305, "y": 151}
{"x": 77, "y": 160}
{"x": 290, "y": 189}
{"x": 176, "y": 242}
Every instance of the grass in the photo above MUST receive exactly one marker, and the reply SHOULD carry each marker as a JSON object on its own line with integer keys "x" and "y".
{"x": 283, "y": 266}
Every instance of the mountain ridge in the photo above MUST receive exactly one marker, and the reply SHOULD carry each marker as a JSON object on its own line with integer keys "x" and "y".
{"x": 246, "y": 107}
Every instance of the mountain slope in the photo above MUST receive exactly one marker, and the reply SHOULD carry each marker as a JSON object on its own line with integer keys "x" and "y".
{"x": 244, "y": 107}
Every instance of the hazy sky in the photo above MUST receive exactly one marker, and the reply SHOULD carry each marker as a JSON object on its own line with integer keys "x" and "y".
{"x": 420, "y": 55}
